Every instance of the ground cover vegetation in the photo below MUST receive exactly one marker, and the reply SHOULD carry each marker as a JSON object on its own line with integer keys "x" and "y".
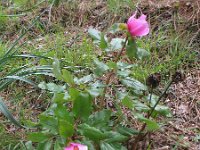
{"x": 102, "y": 75}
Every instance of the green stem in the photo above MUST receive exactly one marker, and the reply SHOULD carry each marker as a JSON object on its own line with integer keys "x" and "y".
{"x": 159, "y": 99}
{"x": 139, "y": 137}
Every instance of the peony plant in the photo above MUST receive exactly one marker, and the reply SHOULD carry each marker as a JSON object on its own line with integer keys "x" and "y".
{"x": 80, "y": 110}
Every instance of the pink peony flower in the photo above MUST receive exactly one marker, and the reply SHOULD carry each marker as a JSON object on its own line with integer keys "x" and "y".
{"x": 76, "y": 146}
{"x": 138, "y": 26}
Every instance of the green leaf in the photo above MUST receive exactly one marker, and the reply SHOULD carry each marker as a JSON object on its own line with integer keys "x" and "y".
{"x": 59, "y": 98}
{"x": 89, "y": 143}
{"x": 84, "y": 79}
{"x": 65, "y": 128}
{"x": 92, "y": 133}
{"x": 52, "y": 87}
{"x": 67, "y": 77}
{"x": 29, "y": 145}
{"x": 126, "y": 131}
{"x": 98, "y": 38}
{"x": 44, "y": 145}
{"x": 100, "y": 119}
{"x": 62, "y": 113}
{"x": 151, "y": 125}
{"x": 131, "y": 48}
{"x": 95, "y": 34}
{"x": 127, "y": 102}
{"x": 57, "y": 146}
{"x": 141, "y": 106}
{"x": 95, "y": 91}
{"x": 7, "y": 113}
{"x": 109, "y": 146}
{"x": 142, "y": 53}
{"x": 163, "y": 110}
{"x": 103, "y": 43}
{"x": 49, "y": 122}
{"x": 38, "y": 137}
{"x": 112, "y": 65}
{"x": 56, "y": 69}
{"x": 101, "y": 67}
{"x": 55, "y": 88}
{"x": 74, "y": 93}
{"x": 115, "y": 137}
{"x": 116, "y": 43}
{"x": 82, "y": 106}
{"x": 106, "y": 146}
{"x": 133, "y": 83}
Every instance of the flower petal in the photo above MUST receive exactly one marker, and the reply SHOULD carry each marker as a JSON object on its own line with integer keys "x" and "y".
{"x": 73, "y": 146}
{"x": 138, "y": 27}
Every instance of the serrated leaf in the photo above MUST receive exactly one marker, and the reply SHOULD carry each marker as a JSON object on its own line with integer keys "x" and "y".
{"x": 59, "y": 98}
{"x": 113, "y": 146}
{"x": 49, "y": 122}
{"x": 95, "y": 91}
{"x": 74, "y": 93}
{"x": 127, "y": 102}
{"x": 52, "y": 87}
{"x": 106, "y": 146}
{"x": 57, "y": 146}
{"x": 55, "y": 88}
{"x": 95, "y": 34}
{"x": 100, "y": 67}
{"x": 85, "y": 79}
{"x": 29, "y": 145}
{"x": 67, "y": 77}
{"x": 126, "y": 131}
{"x": 38, "y": 137}
{"x": 151, "y": 125}
{"x": 141, "y": 106}
{"x": 92, "y": 133}
{"x": 82, "y": 106}
{"x": 65, "y": 128}
{"x": 162, "y": 110}
{"x": 116, "y": 43}
{"x": 99, "y": 119}
{"x": 62, "y": 113}
{"x": 133, "y": 83}
{"x": 115, "y": 137}
{"x": 112, "y": 65}
{"x": 44, "y": 145}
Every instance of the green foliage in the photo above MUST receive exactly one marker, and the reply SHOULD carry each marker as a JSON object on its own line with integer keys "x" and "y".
{"x": 82, "y": 106}
{"x": 74, "y": 113}
{"x": 77, "y": 84}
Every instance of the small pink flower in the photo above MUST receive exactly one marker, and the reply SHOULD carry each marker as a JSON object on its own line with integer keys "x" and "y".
{"x": 138, "y": 26}
{"x": 76, "y": 146}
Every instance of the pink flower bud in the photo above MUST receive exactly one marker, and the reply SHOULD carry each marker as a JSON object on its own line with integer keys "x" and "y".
{"x": 76, "y": 146}
{"x": 138, "y": 26}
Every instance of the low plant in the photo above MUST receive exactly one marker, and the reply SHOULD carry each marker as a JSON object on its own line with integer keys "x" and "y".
{"x": 89, "y": 107}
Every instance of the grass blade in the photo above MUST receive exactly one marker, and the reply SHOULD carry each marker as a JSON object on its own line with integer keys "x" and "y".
{"x": 6, "y": 112}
